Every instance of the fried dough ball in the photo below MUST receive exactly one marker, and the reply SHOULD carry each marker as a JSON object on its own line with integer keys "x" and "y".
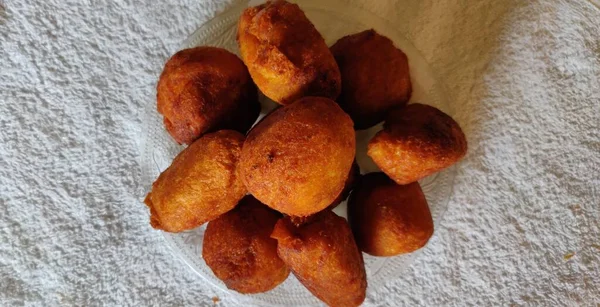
{"x": 239, "y": 250}
{"x": 285, "y": 54}
{"x": 297, "y": 159}
{"x": 417, "y": 141}
{"x": 349, "y": 185}
{"x": 374, "y": 74}
{"x": 388, "y": 219}
{"x": 205, "y": 89}
{"x": 322, "y": 254}
{"x": 201, "y": 183}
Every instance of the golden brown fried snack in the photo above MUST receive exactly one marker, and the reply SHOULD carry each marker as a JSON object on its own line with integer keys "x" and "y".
{"x": 388, "y": 219}
{"x": 349, "y": 185}
{"x": 297, "y": 159}
{"x": 239, "y": 250}
{"x": 374, "y": 74}
{"x": 201, "y": 183}
{"x": 417, "y": 141}
{"x": 322, "y": 254}
{"x": 206, "y": 89}
{"x": 285, "y": 54}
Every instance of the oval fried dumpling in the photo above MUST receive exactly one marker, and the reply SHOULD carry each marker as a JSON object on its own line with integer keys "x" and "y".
{"x": 388, "y": 219}
{"x": 239, "y": 250}
{"x": 205, "y": 89}
{"x": 286, "y": 56}
{"x": 417, "y": 141}
{"x": 201, "y": 183}
{"x": 375, "y": 77}
{"x": 322, "y": 254}
{"x": 297, "y": 159}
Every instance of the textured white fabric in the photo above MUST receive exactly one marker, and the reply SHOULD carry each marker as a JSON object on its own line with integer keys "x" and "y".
{"x": 522, "y": 228}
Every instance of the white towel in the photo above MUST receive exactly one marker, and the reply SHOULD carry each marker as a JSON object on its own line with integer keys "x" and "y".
{"x": 522, "y": 228}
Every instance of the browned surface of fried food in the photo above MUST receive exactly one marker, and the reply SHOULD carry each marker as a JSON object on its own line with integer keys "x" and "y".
{"x": 322, "y": 254}
{"x": 297, "y": 159}
{"x": 201, "y": 183}
{"x": 205, "y": 89}
{"x": 375, "y": 77}
{"x": 351, "y": 180}
{"x": 286, "y": 56}
{"x": 388, "y": 219}
{"x": 417, "y": 141}
{"x": 239, "y": 250}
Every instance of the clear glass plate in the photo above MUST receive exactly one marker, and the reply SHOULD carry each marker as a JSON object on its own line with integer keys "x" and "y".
{"x": 334, "y": 20}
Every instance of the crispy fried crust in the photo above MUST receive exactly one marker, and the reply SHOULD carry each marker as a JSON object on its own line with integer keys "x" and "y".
{"x": 375, "y": 77}
{"x": 388, "y": 219}
{"x": 286, "y": 56}
{"x": 417, "y": 140}
{"x": 206, "y": 89}
{"x": 201, "y": 183}
{"x": 322, "y": 254}
{"x": 297, "y": 159}
{"x": 239, "y": 250}
{"x": 351, "y": 180}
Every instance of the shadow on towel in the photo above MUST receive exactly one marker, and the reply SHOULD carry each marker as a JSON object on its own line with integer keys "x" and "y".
{"x": 3, "y": 15}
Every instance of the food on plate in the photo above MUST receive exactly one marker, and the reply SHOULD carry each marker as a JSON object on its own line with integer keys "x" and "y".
{"x": 375, "y": 77}
{"x": 286, "y": 56}
{"x": 205, "y": 89}
{"x": 416, "y": 141}
{"x": 297, "y": 159}
{"x": 201, "y": 183}
{"x": 388, "y": 219}
{"x": 239, "y": 249}
{"x": 322, "y": 254}
{"x": 268, "y": 196}
{"x": 351, "y": 180}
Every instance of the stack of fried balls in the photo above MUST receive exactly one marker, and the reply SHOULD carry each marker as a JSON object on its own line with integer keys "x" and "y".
{"x": 267, "y": 194}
